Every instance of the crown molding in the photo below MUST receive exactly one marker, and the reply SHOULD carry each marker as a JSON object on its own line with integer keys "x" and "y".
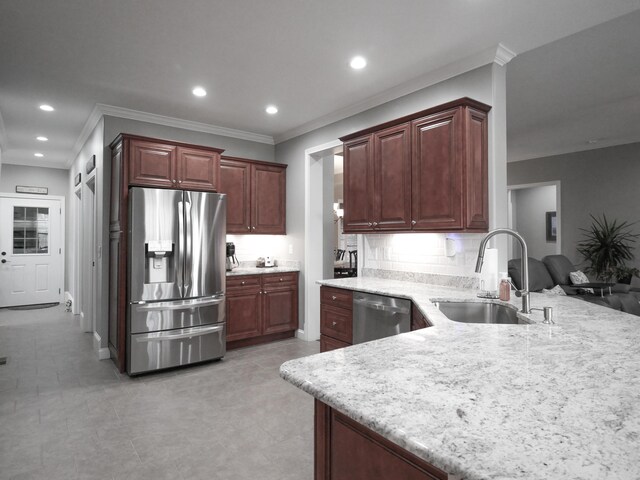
{"x": 503, "y": 55}
{"x": 101, "y": 109}
{"x": 494, "y": 54}
{"x": 130, "y": 114}
{"x": 574, "y": 149}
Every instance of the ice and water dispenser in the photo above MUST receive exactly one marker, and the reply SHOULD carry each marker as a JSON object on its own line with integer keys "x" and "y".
{"x": 160, "y": 261}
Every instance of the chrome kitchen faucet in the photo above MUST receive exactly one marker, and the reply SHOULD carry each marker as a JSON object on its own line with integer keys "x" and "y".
{"x": 524, "y": 292}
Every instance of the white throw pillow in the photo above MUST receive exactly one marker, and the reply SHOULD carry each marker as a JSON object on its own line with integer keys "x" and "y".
{"x": 578, "y": 278}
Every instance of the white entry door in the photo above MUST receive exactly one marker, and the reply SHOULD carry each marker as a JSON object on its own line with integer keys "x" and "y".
{"x": 30, "y": 251}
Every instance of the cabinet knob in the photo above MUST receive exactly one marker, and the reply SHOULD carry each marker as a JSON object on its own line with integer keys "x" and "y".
{"x": 281, "y": 279}
{"x": 179, "y": 181}
{"x": 173, "y": 181}
{"x": 413, "y": 222}
{"x": 253, "y": 228}
{"x": 241, "y": 283}
{"x": 375, "y": 224}
{"x": 333, "y": 297}
{"x": 369, "y": 223}
{"x": 248, "y": 227}
{"x": 264, "y": 292}
{"x": 334, "y": 324}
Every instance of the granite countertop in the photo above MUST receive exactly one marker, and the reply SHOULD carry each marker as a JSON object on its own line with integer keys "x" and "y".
{"x": 260, "y": 270}
{"x": 494, "y": 401}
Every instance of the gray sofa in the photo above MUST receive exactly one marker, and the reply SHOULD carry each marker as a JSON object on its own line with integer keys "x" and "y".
{"x": 554, "y": 270}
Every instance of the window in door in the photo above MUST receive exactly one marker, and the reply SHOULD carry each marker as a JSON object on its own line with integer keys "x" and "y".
{"x": 30, "y": 230}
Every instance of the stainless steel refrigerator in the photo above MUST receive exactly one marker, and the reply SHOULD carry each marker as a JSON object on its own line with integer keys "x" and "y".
{"x": 176, "y": 274}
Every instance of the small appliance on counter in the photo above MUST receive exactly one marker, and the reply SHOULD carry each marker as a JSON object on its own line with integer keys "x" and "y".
{"x": 266, "y": 262}
{"x": 232, "y": 260}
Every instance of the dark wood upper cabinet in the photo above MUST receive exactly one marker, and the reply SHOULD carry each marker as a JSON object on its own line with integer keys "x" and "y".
{"x": 358, "y": 184}
{"x": 159, "y": 163}
{"x": 268, "y": 199}
{"x": 198, "y": 169}
{"x": 436, "y": 188}
{"x": 392, "y": 178}
{"x": 152, "y": 164}
{"x": 256, "y": 196}
{"x": 235, "y": 181}
{"x": 423, "y": 172}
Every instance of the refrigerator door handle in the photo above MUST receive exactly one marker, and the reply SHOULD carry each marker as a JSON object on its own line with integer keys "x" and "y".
{"x": 187, "y": 333}
{"x": 180, "y": 260}
{"x": 189, "y": 245}
{"x": 180, "y": 305}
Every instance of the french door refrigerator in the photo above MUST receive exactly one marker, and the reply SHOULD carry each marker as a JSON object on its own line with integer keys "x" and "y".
{"x": 176, "y": 274}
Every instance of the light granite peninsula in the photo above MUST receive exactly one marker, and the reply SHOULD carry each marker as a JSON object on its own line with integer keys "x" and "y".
{"x": 495, "y": 402}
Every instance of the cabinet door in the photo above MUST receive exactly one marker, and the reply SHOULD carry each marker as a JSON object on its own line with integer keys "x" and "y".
{"x": 235, "y": 178}
{"x": 152, "y": 164}
{"x": 243, "y": 313}
{"x": 437, "y": 180}
{"x": 198, "y": 169}
{"x": 280, "y": 309}
{"x": 358, "y": 185}
{"x": 476, "y": 170}
{"x": 392, "y": 178}
{"x": 268, "y": 199}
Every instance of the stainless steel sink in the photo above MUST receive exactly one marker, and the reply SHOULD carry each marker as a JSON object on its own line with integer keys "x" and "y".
{"x": 476, "y": 312}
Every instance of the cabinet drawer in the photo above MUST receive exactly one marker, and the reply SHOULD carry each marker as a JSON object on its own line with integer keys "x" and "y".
{"x": 336, "y": 323}
{"x": 336, "y": 297}
{"x": 327, "y": 344}
{"x": 280, "y": 278}
{"x": 243, "y": 281}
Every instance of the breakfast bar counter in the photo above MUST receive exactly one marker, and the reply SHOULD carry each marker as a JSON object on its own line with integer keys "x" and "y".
{"x": 484, "y": 401}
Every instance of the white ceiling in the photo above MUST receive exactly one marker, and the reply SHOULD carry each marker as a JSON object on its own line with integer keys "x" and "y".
{"x": 148, "y": 54}
{"x": 578, "y": 93}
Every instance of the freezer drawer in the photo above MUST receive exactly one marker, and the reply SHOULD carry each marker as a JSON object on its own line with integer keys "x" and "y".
{"x": 153, "y": 316}
{"x": 158, "y": 350}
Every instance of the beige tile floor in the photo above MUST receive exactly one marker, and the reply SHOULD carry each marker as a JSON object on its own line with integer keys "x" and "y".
{"x": 66, "y": 415}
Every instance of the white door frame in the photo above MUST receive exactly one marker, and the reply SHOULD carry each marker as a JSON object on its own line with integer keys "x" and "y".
{"x": 313, "y": 251}
{"x": 555, "y": 183}
{"x": 62, "y": 227}
{"x": 76, "y": 298}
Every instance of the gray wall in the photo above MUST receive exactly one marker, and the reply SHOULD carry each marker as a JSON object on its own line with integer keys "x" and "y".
{"x": 531, "y": 205}
{"x": 592, "y": 182}
{"x": 477, "y": 84}
{"x": 55, "y": 179}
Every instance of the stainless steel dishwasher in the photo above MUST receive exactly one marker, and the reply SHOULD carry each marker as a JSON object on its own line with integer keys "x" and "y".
{"x": 378, "y": 316}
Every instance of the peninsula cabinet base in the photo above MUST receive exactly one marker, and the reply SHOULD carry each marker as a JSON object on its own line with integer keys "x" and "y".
{"x": 346, "y": 450}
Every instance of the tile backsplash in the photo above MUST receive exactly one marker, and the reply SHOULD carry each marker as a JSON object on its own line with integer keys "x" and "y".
{"x": 250, "y": 247}
{"x": 441, "y": 254}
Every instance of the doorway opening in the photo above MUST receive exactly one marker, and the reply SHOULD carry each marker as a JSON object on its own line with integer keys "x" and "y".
{"x": 345, "y": 244}
{"x": 534, "y": 211}
{"x": 87, "y": 259}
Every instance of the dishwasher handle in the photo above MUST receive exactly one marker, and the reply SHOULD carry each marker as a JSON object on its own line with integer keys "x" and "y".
{"x": 380, "y": 306}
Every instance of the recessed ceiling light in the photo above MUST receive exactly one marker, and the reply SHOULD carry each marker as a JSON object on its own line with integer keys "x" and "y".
{"x": 271, "y": 109}
{"x": 38, "y": 155}
{"x": 46, "y": 108}
{"x": 592, "y": 141}
{"x": 358, "y": 62}
{"x": 199, "y": 92}
{"x": 42, "y": 139}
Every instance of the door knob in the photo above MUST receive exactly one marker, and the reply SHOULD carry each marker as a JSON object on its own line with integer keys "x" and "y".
{"x": 4, "y": 261}
{"x": 4, "y": 253}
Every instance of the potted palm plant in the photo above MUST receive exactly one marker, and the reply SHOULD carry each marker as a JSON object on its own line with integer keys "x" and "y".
{"x": 606, "y": 247}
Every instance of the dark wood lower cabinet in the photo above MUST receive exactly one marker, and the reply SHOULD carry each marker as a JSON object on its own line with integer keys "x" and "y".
{"x": 261, "y": 308}
{"x": 347, "y": 450}
{"x": 327, "y": 344}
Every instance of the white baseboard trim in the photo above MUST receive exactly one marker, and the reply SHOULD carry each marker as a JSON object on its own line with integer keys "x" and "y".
{"x": 300, "y": 333}
{"x": 85, "y": 323}
{"x": 103, "y": 353}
